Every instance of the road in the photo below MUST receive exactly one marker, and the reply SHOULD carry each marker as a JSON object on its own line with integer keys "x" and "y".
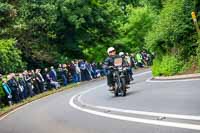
{"x": 149, "y": 107}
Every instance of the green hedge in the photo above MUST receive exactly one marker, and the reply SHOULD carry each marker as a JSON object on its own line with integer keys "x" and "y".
{"x": 166, "y": 66}
{"x": 2, "y": 94}
{"x": 198, "y": 54}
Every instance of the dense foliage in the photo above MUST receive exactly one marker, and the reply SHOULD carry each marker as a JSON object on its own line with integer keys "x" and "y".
{"x": 45, "y": 32}
{"x": 10, "y": 57}
{"x": 169, "y": 65}
{"x": 173, "y": 36}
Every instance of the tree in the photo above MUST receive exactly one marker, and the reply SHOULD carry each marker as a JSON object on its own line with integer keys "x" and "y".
{"x": 133, "y": 32}
{"x": 173, "y": 32}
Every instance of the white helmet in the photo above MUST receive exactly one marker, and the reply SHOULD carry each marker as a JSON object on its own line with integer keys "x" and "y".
{"x": 121, "y": 53}
{"x": 110, "y": 49}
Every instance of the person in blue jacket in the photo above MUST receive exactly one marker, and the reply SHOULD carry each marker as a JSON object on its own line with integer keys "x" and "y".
{"x": 7, "y": 91}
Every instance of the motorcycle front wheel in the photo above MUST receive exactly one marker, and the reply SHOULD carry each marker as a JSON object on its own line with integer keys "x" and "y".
{"x": 123, "y": 87}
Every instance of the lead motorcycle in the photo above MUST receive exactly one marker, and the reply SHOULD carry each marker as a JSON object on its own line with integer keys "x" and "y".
{"x": 119, "y": 77}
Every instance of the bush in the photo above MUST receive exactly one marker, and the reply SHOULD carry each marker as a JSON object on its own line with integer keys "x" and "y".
{"x": 10, "y": 57}
{"x": 191, "y": 65}
{"x": 198, "y": 55}
{"x": 166, "y": 66}
{"x": 2, "y": 94}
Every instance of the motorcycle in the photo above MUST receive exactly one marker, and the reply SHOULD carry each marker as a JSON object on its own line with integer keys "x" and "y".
{"x": 119, "y": 77}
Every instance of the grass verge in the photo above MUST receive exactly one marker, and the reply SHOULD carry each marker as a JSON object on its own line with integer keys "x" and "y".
{"x": 8, "y": 109}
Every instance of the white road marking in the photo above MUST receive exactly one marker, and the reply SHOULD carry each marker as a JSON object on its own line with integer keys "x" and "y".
{"x": 146, "y": 113}
{"x": 185, "y": 117}
{"x": 133, "y": 119}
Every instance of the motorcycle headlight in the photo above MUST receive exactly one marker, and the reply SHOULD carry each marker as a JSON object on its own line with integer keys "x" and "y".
{"x": 124, "y": 68}
{"x": 120, "y": 68}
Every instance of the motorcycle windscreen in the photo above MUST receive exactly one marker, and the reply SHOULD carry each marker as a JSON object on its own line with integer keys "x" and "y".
{"x": 118, "y": 61}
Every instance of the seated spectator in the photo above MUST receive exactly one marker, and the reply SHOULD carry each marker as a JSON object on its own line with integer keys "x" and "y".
{"x": 53, "y": 74}
{"x": 40, "y": 80}
{"x": 53, "y": 83}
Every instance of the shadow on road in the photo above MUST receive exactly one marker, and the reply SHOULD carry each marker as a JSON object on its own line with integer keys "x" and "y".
{"x": 132, "y": 92}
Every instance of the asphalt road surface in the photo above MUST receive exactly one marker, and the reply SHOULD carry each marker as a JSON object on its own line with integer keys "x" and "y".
{"x": 149, "y": 107}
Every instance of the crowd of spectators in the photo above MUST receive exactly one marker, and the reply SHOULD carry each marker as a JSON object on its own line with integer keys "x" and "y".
{"x": 19, "y": 86}
{"x": 140, "y": 59}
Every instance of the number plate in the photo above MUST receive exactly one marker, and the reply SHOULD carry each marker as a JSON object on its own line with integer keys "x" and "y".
{"x": 118, "y": 61}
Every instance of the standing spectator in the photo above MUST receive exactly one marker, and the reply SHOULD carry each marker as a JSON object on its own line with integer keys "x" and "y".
{"x": 149, "y": 56}
{"x": 53, "y": 74}
{"x": 22, "y": 86}
{"x": 65, "y": 73}
{"x": 144, "y": 57}
{"x": 12, "y": 83}
{"x": 24, "y": 83}
{"x": 28, "y": 79}
{"x": 59, "y": 72}
{"x": 72, "y": 69}
{"x": 84, "y": 71}
{"x": 44, "y": 74}
{"x": 7, "y": 91}
{"x": 139, "y": 60}
{"x": 78, "y": 71}
{"x": 62, "y": 74}
{"x": 133, "y": 62}
{"x": 35, "y": 82}
{"x": 94, "y": 70}
{"x": 89, "y": 70}
{"x": 1, "y": 92}
{"x": 101, "y": 69}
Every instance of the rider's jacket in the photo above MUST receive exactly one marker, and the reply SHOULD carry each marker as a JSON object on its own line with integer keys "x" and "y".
{"x": 110, "y": 61}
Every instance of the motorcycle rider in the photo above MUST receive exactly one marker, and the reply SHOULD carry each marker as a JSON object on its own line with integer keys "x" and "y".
{"x": 126, "y": 64}
{"x": 110, "y": 62}
{"x": 130, "y": 72}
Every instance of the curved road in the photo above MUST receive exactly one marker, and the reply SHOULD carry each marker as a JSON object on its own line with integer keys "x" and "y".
{"x": 149, "y": 107}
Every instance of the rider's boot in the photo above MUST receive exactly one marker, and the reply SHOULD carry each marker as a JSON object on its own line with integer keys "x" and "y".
{"x": 111, "y": 88}
{"x": 127, "y": 87}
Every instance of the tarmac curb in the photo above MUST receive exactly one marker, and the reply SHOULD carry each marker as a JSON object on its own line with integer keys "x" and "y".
{"x": 178, "y": 77}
